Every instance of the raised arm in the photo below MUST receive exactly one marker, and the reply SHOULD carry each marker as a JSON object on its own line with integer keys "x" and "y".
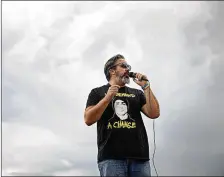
{"x": 151, "y": 109}
{"x": 93, "y": 113}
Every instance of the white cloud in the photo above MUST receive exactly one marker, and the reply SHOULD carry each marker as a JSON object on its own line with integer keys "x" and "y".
{"x": 47, "y": 77}
{"x": 35, "y": 145}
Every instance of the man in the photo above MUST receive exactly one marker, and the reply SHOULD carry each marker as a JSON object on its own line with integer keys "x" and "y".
{"x": 123, "y": 148}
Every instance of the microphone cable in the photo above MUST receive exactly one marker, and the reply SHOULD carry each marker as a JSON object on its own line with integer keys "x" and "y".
{"x": 154, "y": 138}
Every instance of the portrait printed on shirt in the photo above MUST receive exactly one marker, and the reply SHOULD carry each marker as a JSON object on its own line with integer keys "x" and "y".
{"x": 121, "y": 118}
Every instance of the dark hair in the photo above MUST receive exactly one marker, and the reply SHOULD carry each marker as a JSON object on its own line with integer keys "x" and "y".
{"x": 110, "y": 63}
{"x": 122, "y": 99}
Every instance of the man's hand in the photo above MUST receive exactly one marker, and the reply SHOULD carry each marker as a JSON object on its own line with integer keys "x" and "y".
{"x": 93, "y": 113}
{"x": 138, "y": 80}
{"x": 112, "y": 91}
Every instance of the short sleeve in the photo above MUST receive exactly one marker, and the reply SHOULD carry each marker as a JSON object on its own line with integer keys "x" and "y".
{"x": 93, "y": 98}
{"x": 142, "y": 98}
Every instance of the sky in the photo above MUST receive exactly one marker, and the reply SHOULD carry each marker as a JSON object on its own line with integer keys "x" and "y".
{"x": 53, "y": 54}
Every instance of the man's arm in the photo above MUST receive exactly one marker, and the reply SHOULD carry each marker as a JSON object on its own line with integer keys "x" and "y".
{"x": 151, "y": 109}
{"x": 93, "y": 113}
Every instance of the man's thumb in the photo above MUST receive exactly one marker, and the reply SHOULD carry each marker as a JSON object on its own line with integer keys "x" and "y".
{"x": 135, "y": 80}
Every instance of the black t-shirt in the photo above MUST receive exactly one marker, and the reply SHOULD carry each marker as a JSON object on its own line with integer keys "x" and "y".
{"x": 121, "y": 132}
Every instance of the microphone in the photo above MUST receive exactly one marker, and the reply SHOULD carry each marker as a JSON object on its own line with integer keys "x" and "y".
{"x": 133, "y": 75}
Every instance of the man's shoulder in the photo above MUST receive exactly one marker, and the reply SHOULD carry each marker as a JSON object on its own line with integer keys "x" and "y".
{"x": 135, "y": 91}
{"x": 131, "y": 89}
{"x": 99, "y": 89}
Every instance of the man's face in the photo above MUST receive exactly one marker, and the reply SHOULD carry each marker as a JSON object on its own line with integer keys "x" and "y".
{"x": 122, "y": 71}
{"x": 120, "y": 107}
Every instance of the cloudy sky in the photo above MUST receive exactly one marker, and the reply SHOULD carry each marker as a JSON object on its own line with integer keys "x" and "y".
{"x": 53, "y": 54}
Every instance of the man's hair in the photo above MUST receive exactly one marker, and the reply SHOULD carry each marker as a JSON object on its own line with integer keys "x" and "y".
{"x": 110, "y": 63}
{"x": 122, "y": 99}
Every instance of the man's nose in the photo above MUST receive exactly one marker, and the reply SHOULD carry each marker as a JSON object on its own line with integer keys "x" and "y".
{"x": 127, "y": 69}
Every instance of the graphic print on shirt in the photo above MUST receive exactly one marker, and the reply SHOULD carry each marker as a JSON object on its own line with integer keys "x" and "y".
{"x": 121, "y": 118}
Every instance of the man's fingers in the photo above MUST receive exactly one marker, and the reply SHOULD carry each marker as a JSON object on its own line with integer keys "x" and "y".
{"x": 136, "y": 80}
{"x": 139, "y": 76}
{"x": 114, "y": 90}
{"x": 116, "y": 86}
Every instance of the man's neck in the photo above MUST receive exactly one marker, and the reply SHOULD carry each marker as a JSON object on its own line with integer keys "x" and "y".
{"x": 114, "y": 82}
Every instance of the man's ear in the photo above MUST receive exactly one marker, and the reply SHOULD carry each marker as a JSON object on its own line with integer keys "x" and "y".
{"x": 112, "y": 71}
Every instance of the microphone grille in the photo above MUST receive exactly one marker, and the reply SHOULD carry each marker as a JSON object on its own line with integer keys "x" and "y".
{"x": 131, "y": 74}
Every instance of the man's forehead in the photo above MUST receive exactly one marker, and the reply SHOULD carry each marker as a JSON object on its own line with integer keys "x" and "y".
{"x": 119, "y": 101}
{"x": 120, "y": 61}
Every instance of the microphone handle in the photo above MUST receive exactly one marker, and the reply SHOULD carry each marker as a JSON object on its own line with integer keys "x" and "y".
{"x": 143, "y": 79}
{"x": 132, "y": 74}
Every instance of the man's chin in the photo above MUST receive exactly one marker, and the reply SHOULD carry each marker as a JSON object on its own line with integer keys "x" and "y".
{"x": 126, "y": 80}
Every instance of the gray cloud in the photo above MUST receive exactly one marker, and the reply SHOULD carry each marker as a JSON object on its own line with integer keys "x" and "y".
{"x": 10, "y": 38}
{"x": 46, "y": 93}
{"x": 108, "y": 33}
{"x": 193, "y": 136}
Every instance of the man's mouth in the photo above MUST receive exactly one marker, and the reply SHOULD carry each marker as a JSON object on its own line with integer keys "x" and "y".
{"x": 126, "y": 75}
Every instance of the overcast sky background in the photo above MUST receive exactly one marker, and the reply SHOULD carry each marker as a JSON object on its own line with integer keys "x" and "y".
{"x": 54, "y": 54}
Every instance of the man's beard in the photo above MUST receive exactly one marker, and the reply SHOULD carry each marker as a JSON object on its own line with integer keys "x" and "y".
{"x": 123, "y": 78}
